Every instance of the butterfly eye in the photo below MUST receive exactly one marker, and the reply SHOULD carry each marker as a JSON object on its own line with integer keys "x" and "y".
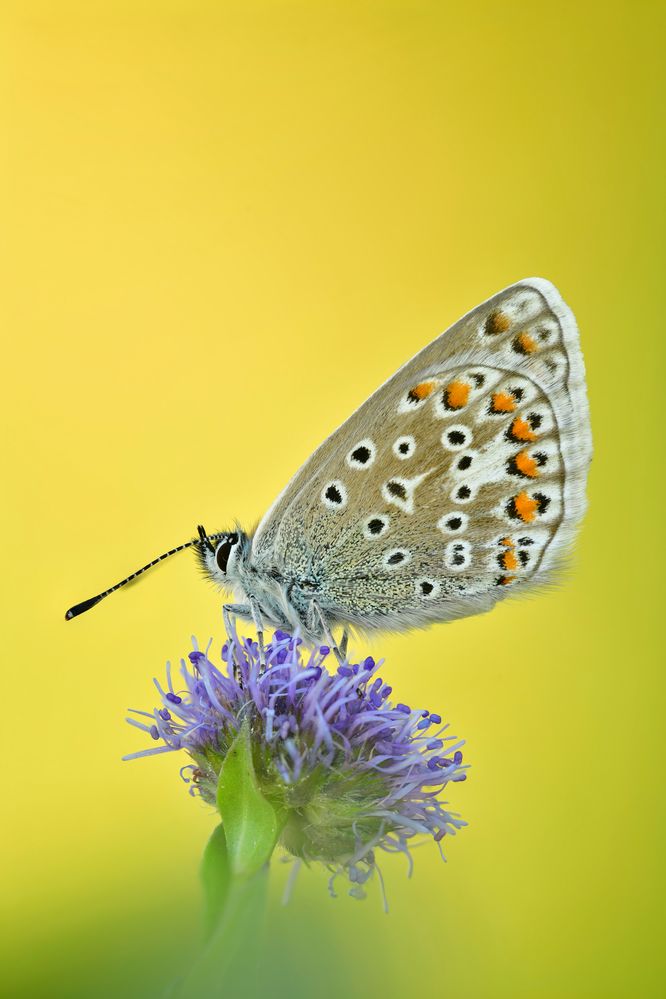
{"x": 223, "y": 551}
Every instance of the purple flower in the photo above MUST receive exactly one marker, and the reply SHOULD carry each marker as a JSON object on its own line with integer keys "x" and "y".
{"x": 347, "y": 772}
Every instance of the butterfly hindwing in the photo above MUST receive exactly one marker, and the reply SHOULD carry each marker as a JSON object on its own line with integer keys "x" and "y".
{"x": 460, "y": 480}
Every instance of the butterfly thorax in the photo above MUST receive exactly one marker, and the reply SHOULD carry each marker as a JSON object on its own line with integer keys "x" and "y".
{"x": 282, "y": 597}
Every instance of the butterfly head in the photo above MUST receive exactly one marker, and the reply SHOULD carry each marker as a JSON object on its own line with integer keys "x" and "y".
{"x": 220, "y": 554}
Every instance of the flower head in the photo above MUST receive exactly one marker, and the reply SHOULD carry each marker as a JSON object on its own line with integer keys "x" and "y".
{"x": 347, "y": 770}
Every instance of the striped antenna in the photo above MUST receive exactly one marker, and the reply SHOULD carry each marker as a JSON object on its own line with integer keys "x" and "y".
{"x": 203, "y": 539}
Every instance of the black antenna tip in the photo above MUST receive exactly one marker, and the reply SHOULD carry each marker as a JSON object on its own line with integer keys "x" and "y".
{"x": 81, "y": 608}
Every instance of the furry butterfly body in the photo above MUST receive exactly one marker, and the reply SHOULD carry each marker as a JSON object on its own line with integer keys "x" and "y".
{"x": 461, "y": 480}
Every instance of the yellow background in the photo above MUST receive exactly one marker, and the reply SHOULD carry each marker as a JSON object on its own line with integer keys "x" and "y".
{"x": 224, "y": 225}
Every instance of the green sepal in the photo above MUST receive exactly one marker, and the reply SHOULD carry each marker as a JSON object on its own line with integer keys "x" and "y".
{"x": 216, "y": 878}
{"x": 251, "y": 825}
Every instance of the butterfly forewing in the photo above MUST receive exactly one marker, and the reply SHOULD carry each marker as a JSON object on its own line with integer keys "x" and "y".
{"x": 460, "y": 480}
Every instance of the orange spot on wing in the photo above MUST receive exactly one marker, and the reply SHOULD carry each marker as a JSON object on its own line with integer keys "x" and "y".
{"x": 422, "y": 391}
{"x": 507, "y": 542}
{"x": 525, "y": 344}
{"x": 505, "y": 580}
{"x": 526, "y": 465}
{"x": 497, "y": 322}
{"x": 525, "y": 507}
{"x": 509, "y": 560}
{"x": 503, "y": 402}
{"x": 457, "y": 394}
{"x": 521, "y": 430}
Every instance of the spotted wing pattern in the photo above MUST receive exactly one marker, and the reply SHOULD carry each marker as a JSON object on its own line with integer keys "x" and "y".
{"x": 460, "y": 480}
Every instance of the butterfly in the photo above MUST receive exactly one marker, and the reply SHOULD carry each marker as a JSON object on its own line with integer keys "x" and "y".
{"x": 460, "y": 481}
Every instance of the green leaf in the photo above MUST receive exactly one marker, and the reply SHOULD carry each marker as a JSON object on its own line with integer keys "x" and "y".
{"x": 250, "y": 823}
{"x": 216, "y": 878}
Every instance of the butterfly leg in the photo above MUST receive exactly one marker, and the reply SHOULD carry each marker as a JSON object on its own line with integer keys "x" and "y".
{"x": 259, "y": 625}
{"x": 344, "y": 641}
{"x": 252, "y": 612}
{"x": 238, "y": 610}
{"x": 328, "y": 634}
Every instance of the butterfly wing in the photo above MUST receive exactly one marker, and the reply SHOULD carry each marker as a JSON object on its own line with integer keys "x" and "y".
{"x": 460, "y": 480}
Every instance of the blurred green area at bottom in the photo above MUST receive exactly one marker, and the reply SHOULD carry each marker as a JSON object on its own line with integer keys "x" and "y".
{"x": 141, "y": 954}
{"x": 438, "y": 936}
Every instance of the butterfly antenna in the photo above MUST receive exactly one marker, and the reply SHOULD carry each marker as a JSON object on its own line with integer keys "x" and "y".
{"x": 203, "y": 539}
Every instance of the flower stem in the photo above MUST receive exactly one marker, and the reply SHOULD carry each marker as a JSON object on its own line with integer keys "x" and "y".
{"x": 234, "y": 872}
{"x": 232, "y": 941}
